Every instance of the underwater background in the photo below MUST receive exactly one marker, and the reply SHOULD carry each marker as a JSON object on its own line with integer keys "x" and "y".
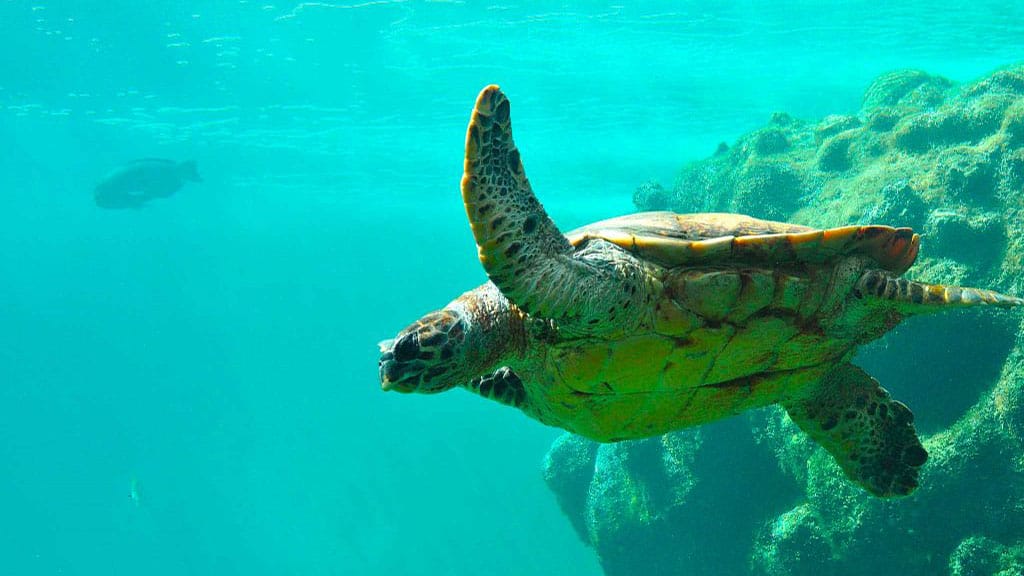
{"x": 191, "y": 388}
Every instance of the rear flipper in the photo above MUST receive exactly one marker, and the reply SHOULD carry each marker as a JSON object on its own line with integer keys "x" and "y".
{"x": 870, "y": 435}
{"x": 920, "y": 298}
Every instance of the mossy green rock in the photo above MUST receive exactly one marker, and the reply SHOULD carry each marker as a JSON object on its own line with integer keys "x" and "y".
{"x": 752, "y": 494}
{"x": 659, "y": 506}
{"x": 977, "y": 556}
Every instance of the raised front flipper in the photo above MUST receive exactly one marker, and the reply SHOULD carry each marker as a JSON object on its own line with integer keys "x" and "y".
{"x": 589, "y": 289}
{"x": 870, "y": 435}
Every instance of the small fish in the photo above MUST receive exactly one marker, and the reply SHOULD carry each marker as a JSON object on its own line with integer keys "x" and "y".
{"x": 139, "y": 181}
{"x": 133, "y": 491}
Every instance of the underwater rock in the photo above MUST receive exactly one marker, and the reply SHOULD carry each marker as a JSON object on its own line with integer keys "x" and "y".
{"x": 913, "y": 89}
{"x": 634, "y": 486}
{"x": 768, "y": 190}
{"x": 919, "y": 145}
{"x": 899, "y": 205}
{"x": 834, "y": 154}
{"x": 649, "y": 508}
{"x": 834, "y": 124}
{"x": 1009, "y": 80}
{"x": 755, "y": 176}
{"x": 979, "y": 555}
{"x": 568, "y": 465}
{"x": 1013, "y": 124}
{"x": 752, "y": 494}
{"x": 770, "y": 141}
{"x": 651, "y": 194}
{"x": 700, "y": 188}
{"x": 796, "y": 526}
{"x": 968, "y": 174}
{"x": 1010, "y": 177}
{"x": 959, "y": 121}
{"x": 977, "y": 238}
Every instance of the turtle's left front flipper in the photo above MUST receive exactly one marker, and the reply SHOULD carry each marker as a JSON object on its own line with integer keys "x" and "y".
{"x": 870, "y": 435}
{"x": 521, "y": 248}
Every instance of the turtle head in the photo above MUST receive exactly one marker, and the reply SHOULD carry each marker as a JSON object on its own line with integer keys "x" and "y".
{"x": 427, "y": 356}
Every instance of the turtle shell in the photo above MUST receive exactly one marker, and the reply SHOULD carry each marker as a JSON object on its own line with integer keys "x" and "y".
{"x": 749, "y": 315}
{"x": 674, "y": 240}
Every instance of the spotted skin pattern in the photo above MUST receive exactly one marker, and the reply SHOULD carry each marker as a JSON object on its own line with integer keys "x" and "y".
{"x": 881, "y": 285}
{"x": 422, "y": 351}
{"x": 523, "y": 251}
{"x": 643, "y": 324}
{"x": 870, "y": 435}
{"x": 503, "y": 386}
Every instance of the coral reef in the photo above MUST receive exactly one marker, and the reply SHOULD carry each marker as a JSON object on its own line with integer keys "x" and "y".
{"x": 753, "y": 494}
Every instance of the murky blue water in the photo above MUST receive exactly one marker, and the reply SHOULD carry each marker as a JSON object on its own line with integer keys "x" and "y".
{"x": 191, "y": 388}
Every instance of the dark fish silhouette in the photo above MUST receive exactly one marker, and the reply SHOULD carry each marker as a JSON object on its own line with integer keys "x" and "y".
{"x": 140, "y": 181}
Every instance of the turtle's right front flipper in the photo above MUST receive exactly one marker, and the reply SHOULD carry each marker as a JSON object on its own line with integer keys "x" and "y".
{"x": 521, "y": 248}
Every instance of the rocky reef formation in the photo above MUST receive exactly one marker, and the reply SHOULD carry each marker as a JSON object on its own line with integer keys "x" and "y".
{"x": 753, "y": 494}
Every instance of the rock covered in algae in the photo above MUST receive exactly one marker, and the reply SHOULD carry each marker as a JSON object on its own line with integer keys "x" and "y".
{"x": 979, "y": 555}
{"x": 652, "y": 195}
{"x": 753, "y": 494}
{"x": 641, "y": 503}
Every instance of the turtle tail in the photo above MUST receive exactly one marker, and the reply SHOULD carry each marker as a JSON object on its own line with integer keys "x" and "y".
{"x": 919, "y": 297}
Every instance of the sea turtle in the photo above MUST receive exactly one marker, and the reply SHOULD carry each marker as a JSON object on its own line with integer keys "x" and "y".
{"x": 140, "y": 181}
{"x": 639, "y": 325}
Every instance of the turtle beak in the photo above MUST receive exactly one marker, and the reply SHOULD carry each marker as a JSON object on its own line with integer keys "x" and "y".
{"x": 388, "y": 375}
{"x": 389, "y": 378}
{"x": 389, "y": 369}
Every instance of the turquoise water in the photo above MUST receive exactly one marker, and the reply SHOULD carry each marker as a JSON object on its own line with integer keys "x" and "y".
{"x": 192, "y": 388}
